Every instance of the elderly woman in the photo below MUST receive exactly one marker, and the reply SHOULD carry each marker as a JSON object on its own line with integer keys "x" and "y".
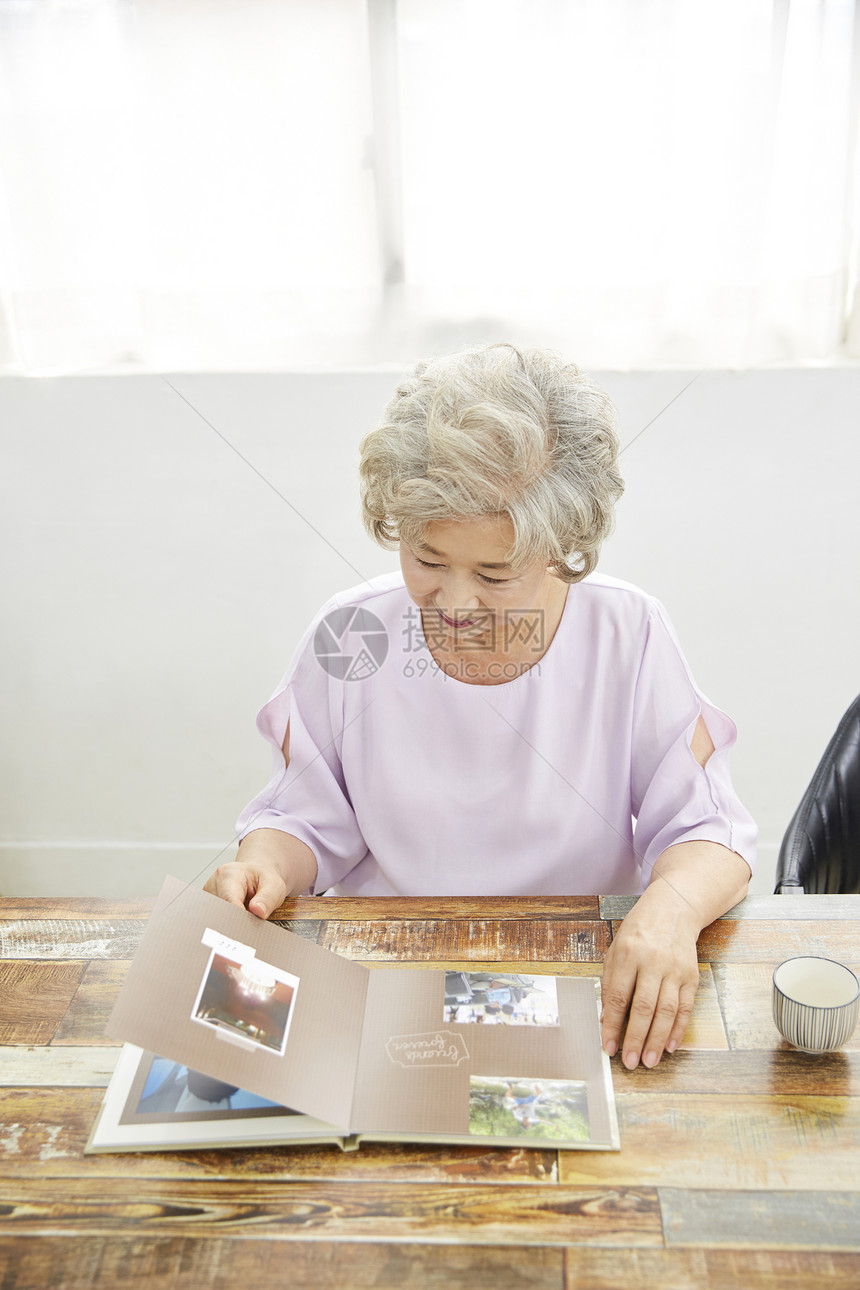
{"x": 497, "y": 718}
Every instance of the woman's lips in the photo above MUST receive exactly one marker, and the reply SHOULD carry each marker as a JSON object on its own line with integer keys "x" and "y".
{"x": 455, "y": 622}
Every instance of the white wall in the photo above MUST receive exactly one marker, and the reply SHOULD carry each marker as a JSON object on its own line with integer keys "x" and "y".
{"x": 155, "y": 585}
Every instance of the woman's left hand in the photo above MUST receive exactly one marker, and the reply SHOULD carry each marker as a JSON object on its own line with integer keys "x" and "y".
{"x": 651, "y": 968}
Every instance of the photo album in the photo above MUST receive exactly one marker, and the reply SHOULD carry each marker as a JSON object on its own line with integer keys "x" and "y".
{"x": 238, "y": 1032}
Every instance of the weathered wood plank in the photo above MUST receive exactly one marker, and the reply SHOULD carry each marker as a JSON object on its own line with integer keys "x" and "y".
{"x": 53, "y": 1125}
{"x": 88, "y": 1012}
{"x": 104, "y": 908}
{"x": 775, "y": 908}
{"x": 734, "y": 1142}
{"x": 189, "y": 1263}
{"x": 309, "y": 928}
{"x": 706, "y": 1028}
{"x": 781, "y": 1073}
{"x": 746, "y": 991}
{"x": 474, "y": 1215}
{"x": 60, "y": 938}
{"x": 683, "y": 1269}
{"x": 614, "y": 908}
{"x": 791, "y": 1220}
{"x": 754, "y": 941}
{"x": 34, "y": 998}
{"x": 404, "y": 908}
{"x": 304, "y": 908}
{"x": 429, "y": 940}
{"x": 86, "y": 1067}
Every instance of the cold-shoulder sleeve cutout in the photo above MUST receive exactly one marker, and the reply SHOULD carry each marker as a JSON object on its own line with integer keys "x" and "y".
{"x": 674, "y": 797}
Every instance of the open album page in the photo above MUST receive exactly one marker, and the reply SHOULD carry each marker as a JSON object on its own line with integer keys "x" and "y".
{"x": 220, "y": 992}
{"x": 494, "y": 1054}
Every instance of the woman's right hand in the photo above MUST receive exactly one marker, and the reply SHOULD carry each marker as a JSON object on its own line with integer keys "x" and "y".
{"x": 252, "y": 884}
{"x": 271, "y": 866}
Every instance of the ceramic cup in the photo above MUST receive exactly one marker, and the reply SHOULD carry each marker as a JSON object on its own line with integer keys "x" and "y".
{"x": 816, "y": 1003}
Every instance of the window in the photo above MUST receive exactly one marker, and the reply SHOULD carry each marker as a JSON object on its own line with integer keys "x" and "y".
{"x": 262, "y": 185}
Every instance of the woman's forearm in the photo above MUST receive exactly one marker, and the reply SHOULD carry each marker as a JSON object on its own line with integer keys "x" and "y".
{"x": 700, "y": 880}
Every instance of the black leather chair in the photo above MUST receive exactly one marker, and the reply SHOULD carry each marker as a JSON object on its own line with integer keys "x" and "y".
{"x": 820, "y": 852}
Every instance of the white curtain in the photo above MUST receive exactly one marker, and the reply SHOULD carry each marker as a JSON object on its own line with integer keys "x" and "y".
{"x": 206, "y": 184}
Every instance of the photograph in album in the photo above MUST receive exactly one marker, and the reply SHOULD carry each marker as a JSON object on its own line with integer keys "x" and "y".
{"x": 500, "y": 998}
{"x": 551, "y": 1109}
{"x": 172, "y": 1091}
{"x": 247, "y": 1001}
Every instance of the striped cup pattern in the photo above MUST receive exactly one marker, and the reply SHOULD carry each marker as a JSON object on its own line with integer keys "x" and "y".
{"x": 816, "y": 1003}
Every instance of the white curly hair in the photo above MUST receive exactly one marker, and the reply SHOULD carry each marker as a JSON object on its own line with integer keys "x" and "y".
{"x": 497, "y": 430}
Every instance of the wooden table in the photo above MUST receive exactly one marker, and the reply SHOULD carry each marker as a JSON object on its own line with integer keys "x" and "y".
{"x": 739, "y": 1167}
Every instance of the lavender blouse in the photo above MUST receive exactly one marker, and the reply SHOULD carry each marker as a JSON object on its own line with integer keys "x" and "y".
{"x": 570, "y": 779}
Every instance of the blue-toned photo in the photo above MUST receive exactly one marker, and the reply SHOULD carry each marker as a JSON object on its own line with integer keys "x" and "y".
{"x": 174, "y": 1089}
{"x": 500, "y": 998}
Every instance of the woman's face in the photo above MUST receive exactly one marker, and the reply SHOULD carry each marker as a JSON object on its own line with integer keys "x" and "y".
{"x": 460, "y": 570}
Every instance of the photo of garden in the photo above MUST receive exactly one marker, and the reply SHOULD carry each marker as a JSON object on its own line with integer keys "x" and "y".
{"x": 515, "y": 1107}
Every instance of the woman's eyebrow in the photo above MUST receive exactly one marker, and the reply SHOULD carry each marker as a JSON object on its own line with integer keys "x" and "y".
{"x": 482, "y": 564}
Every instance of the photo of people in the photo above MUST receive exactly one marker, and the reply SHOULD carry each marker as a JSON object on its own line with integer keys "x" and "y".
{"x": 500, "y": 998}
{"x": 249, "y": 1001}
{"x": 173, "y": 1090}
{"x": 515, "y": 1108}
